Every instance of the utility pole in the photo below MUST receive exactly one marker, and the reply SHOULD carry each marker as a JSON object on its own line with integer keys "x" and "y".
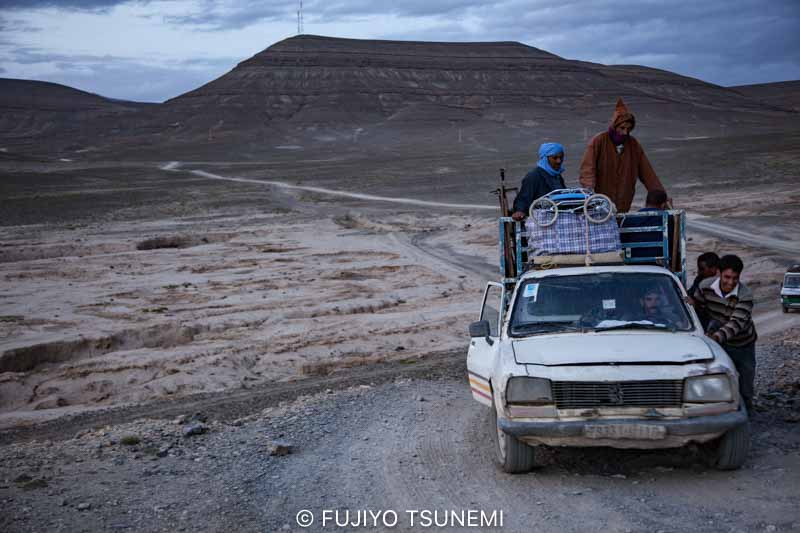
{"x": 300, "y": 19}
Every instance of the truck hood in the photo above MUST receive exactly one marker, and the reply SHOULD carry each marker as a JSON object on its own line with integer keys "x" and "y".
{"x": 786, "y": 291}
{"x": 610, "y": 348}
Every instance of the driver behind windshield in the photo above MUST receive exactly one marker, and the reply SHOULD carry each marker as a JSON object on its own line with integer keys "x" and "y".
{"x": 653, "y": 308}
{"x": 603, "y": 301}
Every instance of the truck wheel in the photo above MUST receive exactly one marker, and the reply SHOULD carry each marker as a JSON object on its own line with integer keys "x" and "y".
{"x": 513, "y": 456}
{"x": 733, "y": 447}
{"x": 785, "y": 309}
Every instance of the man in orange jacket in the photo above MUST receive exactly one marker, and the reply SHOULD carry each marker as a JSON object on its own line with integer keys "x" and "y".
{"x": 614, "y": 160}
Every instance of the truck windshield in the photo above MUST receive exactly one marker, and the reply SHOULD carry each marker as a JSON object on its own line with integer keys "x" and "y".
{"x": 792, "y": 282}
{"x": 606, "y": 301}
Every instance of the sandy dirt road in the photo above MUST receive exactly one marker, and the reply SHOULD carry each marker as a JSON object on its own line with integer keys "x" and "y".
{"x": 402, "y": 453}
{"x": 788, "y": 245}
{"x": 411, "y": 443}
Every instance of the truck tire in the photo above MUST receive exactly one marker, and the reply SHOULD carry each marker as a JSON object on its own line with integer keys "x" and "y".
{"x": 785, "y": 309}
{"x": 512, "y": 455}
{"x": 733, "y": 446}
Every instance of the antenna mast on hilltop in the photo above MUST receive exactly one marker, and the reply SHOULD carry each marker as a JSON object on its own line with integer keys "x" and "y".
{"x": 300, "y": 19}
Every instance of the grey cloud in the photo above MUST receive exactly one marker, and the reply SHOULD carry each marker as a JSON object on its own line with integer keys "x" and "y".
{"x": 236, "y": 14}
{"x": 83, "y": 5}
{"x": 747, "y": 41}
{"x": 138, "y": 82}
{"x": 214, "y": 16}
{"x": 124, "y": 78}
{"x": 323, "y": 10}
{"x": 19, "y": 26}
{"x": 712, "y": 40}
{"x": 673, "y": 33}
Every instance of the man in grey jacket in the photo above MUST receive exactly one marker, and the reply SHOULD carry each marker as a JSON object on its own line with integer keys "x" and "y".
{"x": 726, "y": 305}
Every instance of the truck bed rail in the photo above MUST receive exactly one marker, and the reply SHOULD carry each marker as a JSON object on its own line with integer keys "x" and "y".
{"x": 648, "y": 238}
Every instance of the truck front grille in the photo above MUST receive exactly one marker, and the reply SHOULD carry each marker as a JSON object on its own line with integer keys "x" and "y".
{"x": 587, "y": 394}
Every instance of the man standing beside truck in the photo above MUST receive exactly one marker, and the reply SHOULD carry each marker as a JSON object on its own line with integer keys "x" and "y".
{"x": 614, "y": 160}
{"x": 707, "y": 267}
{"x": 727, "y": 305}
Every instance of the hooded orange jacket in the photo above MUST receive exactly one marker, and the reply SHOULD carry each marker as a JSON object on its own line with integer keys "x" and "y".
{"x": 613, "y": 174}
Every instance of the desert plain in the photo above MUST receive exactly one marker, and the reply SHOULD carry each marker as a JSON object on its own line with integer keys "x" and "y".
{"x": 316, "y": 288}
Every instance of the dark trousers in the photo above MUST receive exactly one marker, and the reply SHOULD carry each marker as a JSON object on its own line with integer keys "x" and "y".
{"x": 744, "y": 357}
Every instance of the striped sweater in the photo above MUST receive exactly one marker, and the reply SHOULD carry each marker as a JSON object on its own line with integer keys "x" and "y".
{"x": 735, "y": 313}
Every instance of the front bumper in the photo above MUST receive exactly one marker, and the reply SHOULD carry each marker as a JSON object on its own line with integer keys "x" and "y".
{"x": 675, "y": 430}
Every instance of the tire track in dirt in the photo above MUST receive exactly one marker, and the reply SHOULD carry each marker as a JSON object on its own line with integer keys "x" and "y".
{"x": 694, "y": 222}
{"x": 175, "y": 165}
{"x": 445, "y": 254}
{"x": 771, "y": 322}
{"x": 728, "y": 233}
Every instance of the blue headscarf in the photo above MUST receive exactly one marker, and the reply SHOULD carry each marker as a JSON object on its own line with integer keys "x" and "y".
{"x": 547, "y": 149}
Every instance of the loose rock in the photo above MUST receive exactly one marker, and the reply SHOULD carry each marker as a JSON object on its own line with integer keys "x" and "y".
{"x": 195, "y": 428}
{"x": 279, "y": 447}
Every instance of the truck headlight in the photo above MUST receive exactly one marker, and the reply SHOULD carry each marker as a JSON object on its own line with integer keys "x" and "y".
{"x": 714, "y": 388}
{"x": 529, "y": 391}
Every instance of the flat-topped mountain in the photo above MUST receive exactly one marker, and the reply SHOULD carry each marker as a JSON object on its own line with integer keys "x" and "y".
{"x": 311, "y": 78}
{"x": 309, "y": 91}
{"x": 322, "y": 80}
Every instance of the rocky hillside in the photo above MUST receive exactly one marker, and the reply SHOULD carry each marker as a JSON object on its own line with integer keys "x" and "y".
{"x": 37, "y": 111}
{"x": 309, "y": 92}
{"x": 319, "y": 79}
{"x": 784, "y": 94}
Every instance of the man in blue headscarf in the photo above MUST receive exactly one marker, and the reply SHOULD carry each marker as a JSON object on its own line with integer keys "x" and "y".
{"x": 545, "y": 178}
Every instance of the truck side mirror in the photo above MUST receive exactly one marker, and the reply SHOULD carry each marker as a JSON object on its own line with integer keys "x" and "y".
{"x": 481, "y": 329}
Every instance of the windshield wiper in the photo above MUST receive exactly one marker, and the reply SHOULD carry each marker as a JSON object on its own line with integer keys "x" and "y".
{"x": 531, "y": 327}
{"x": 637, "y": 325}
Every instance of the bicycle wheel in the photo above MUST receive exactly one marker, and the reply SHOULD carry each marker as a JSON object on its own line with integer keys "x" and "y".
{"x": 544, "y": 204}
{"x": 598, "y": 204}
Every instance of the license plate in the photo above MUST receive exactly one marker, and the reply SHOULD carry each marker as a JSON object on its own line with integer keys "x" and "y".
{"x": 625, "y": 431}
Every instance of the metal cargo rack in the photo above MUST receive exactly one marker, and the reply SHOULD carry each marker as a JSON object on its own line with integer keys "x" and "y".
{"x": 670, "y": 246}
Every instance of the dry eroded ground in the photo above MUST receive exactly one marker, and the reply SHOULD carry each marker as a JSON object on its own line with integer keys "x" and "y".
{"x": 169, "y": 302}
{"x": 90, "y": 320}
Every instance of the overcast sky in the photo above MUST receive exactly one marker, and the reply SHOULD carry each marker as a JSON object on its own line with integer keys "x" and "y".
{"x": 153, "y": 50}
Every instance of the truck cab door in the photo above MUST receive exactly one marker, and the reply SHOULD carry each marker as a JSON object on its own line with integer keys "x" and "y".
{"x": 483, "y": 351}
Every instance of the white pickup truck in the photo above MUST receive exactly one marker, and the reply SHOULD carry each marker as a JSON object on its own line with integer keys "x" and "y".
{"x": 601, "y": 356}
{"x": 790, "y": 289}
